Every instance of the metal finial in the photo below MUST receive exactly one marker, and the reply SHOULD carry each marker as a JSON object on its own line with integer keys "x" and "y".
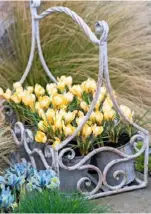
{"x": 35, "y": 3}
{"x": 102, "y": 29}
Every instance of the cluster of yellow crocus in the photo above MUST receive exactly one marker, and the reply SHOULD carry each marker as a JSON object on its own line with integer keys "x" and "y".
{"x": 58, "y": 116}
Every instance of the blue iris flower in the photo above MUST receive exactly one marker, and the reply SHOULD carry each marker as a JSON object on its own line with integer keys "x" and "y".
{"x": 43, "y": 179}
{"x": 21, "y": 169}
{"x": 15, "y": 181}
{"x": 6, "y": 198}
{"x": 17, "y": 175}
{"x": 2, "y": 182}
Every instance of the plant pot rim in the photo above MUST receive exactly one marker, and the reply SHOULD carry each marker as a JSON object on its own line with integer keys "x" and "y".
{"x": 120, "y": 147}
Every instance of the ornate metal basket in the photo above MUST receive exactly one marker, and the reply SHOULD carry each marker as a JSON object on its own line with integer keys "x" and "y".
{"x": 97, "y": 185}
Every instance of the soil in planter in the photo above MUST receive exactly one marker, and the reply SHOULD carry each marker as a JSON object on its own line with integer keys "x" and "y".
{"x": 123, "y": 139}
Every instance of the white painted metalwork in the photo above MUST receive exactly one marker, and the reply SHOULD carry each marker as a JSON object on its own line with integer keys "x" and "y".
{"x": 100, "y": 185}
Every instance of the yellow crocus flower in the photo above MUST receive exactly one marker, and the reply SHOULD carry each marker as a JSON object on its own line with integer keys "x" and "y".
{"x": 106, "y": 108}
{"x": 127, "y": 112}
{"x": 44, "y": 101}
{"x": 68, "y": 130}
{"x": 61, "y": 86}
{"x": 50, "y": 115}
{"x": 39, "y": 90}
{"x": 58, "y": 100}
{"x": 16, "y": 98}
{"x": 28, "y": 99}
{"x": 103, "y": 91}
{"x": 61, "y": 112}
{"x": 37, "y": 106}
{"x": 86, "y": 131}
{"x": 107, "y": 105}
{"x": 89, "y": 86}
{"x": 40, "y": 137}
{"x": 17, "y": 85}
{"x": 51, "y": 89}
{"x": 43, "y": 125}
{"x": 42, "y": 114}
{"x": 97, "y": 130}
{"x": 109, "y": 115}
{"x": 68, "y": 97}
{"x": 84, "y": 106}
{"x": 7, "y": 94}
{"x": 56, "y": 142}
{"x": 66, "y": 80}
{"x": 98, "y": 117}
{"x": 80, "y": 114}
{"x": 30, "y": 89}
{"x": 101, "y": 95}
{"x": 89, "y": 122}
{"x": 92, "y": 116}
{"x": 76, "y": 90}
{"x": 19, "y": 90}
{"x": 69, "y": 116}
{"x": 97, "y": 105}
{"x": 79, "y": 120}
{"x": 58, "y": 124}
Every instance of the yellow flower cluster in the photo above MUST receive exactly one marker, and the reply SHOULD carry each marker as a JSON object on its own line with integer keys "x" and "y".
{"x": 61, "y": 107}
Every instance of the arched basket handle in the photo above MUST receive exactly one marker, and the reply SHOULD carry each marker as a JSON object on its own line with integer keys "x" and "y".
{"x": 101, "y": 27}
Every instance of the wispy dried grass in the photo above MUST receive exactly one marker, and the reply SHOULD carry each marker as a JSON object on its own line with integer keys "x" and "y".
{"x": 7, "y": 144}
{"x": 68, "y": 51}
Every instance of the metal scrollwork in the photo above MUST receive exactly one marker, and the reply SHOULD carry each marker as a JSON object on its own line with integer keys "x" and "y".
{"x": 80, "y": 166}
{"x": 97, "y": 185}
{"x": 24, "y": 137}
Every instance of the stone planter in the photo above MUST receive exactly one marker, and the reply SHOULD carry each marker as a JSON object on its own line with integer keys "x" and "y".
{"x": 103, "y": 158}
{"x": 70, "y": 178}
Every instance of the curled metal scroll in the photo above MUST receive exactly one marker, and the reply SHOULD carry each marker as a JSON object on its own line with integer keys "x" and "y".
{"x": 25, "y": 137}
{"x": 102, "y": 181}
{"x": 80, "y": 166}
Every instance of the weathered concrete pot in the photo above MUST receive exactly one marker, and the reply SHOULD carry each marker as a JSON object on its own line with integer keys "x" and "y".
{"x": 103, "y": 158}
{"x": 70, "y": 178}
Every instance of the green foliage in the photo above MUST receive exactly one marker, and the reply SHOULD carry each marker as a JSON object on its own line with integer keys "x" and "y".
{"x": 139, "y": 164}
{"x": 56, "y": 202}
{"x": 24, "y": 113}
{"x": 74, "y": 104}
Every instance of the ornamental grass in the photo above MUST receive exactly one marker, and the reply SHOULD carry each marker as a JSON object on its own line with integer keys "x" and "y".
{"x": 69, "y": 52}
{"x": 58, "y": 202}
{"x": 7, "y": 144}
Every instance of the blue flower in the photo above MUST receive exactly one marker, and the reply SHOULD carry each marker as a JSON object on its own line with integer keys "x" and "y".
{"x": 21, "y": 169}
{"x": 17, "y": 175}
{"x": 43, "y": 179}
{"x": 2, "y": 182}
{"x": 15, "y": 181}
{"x": 6, "y": 198}
{"x": 54, "y": 183}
